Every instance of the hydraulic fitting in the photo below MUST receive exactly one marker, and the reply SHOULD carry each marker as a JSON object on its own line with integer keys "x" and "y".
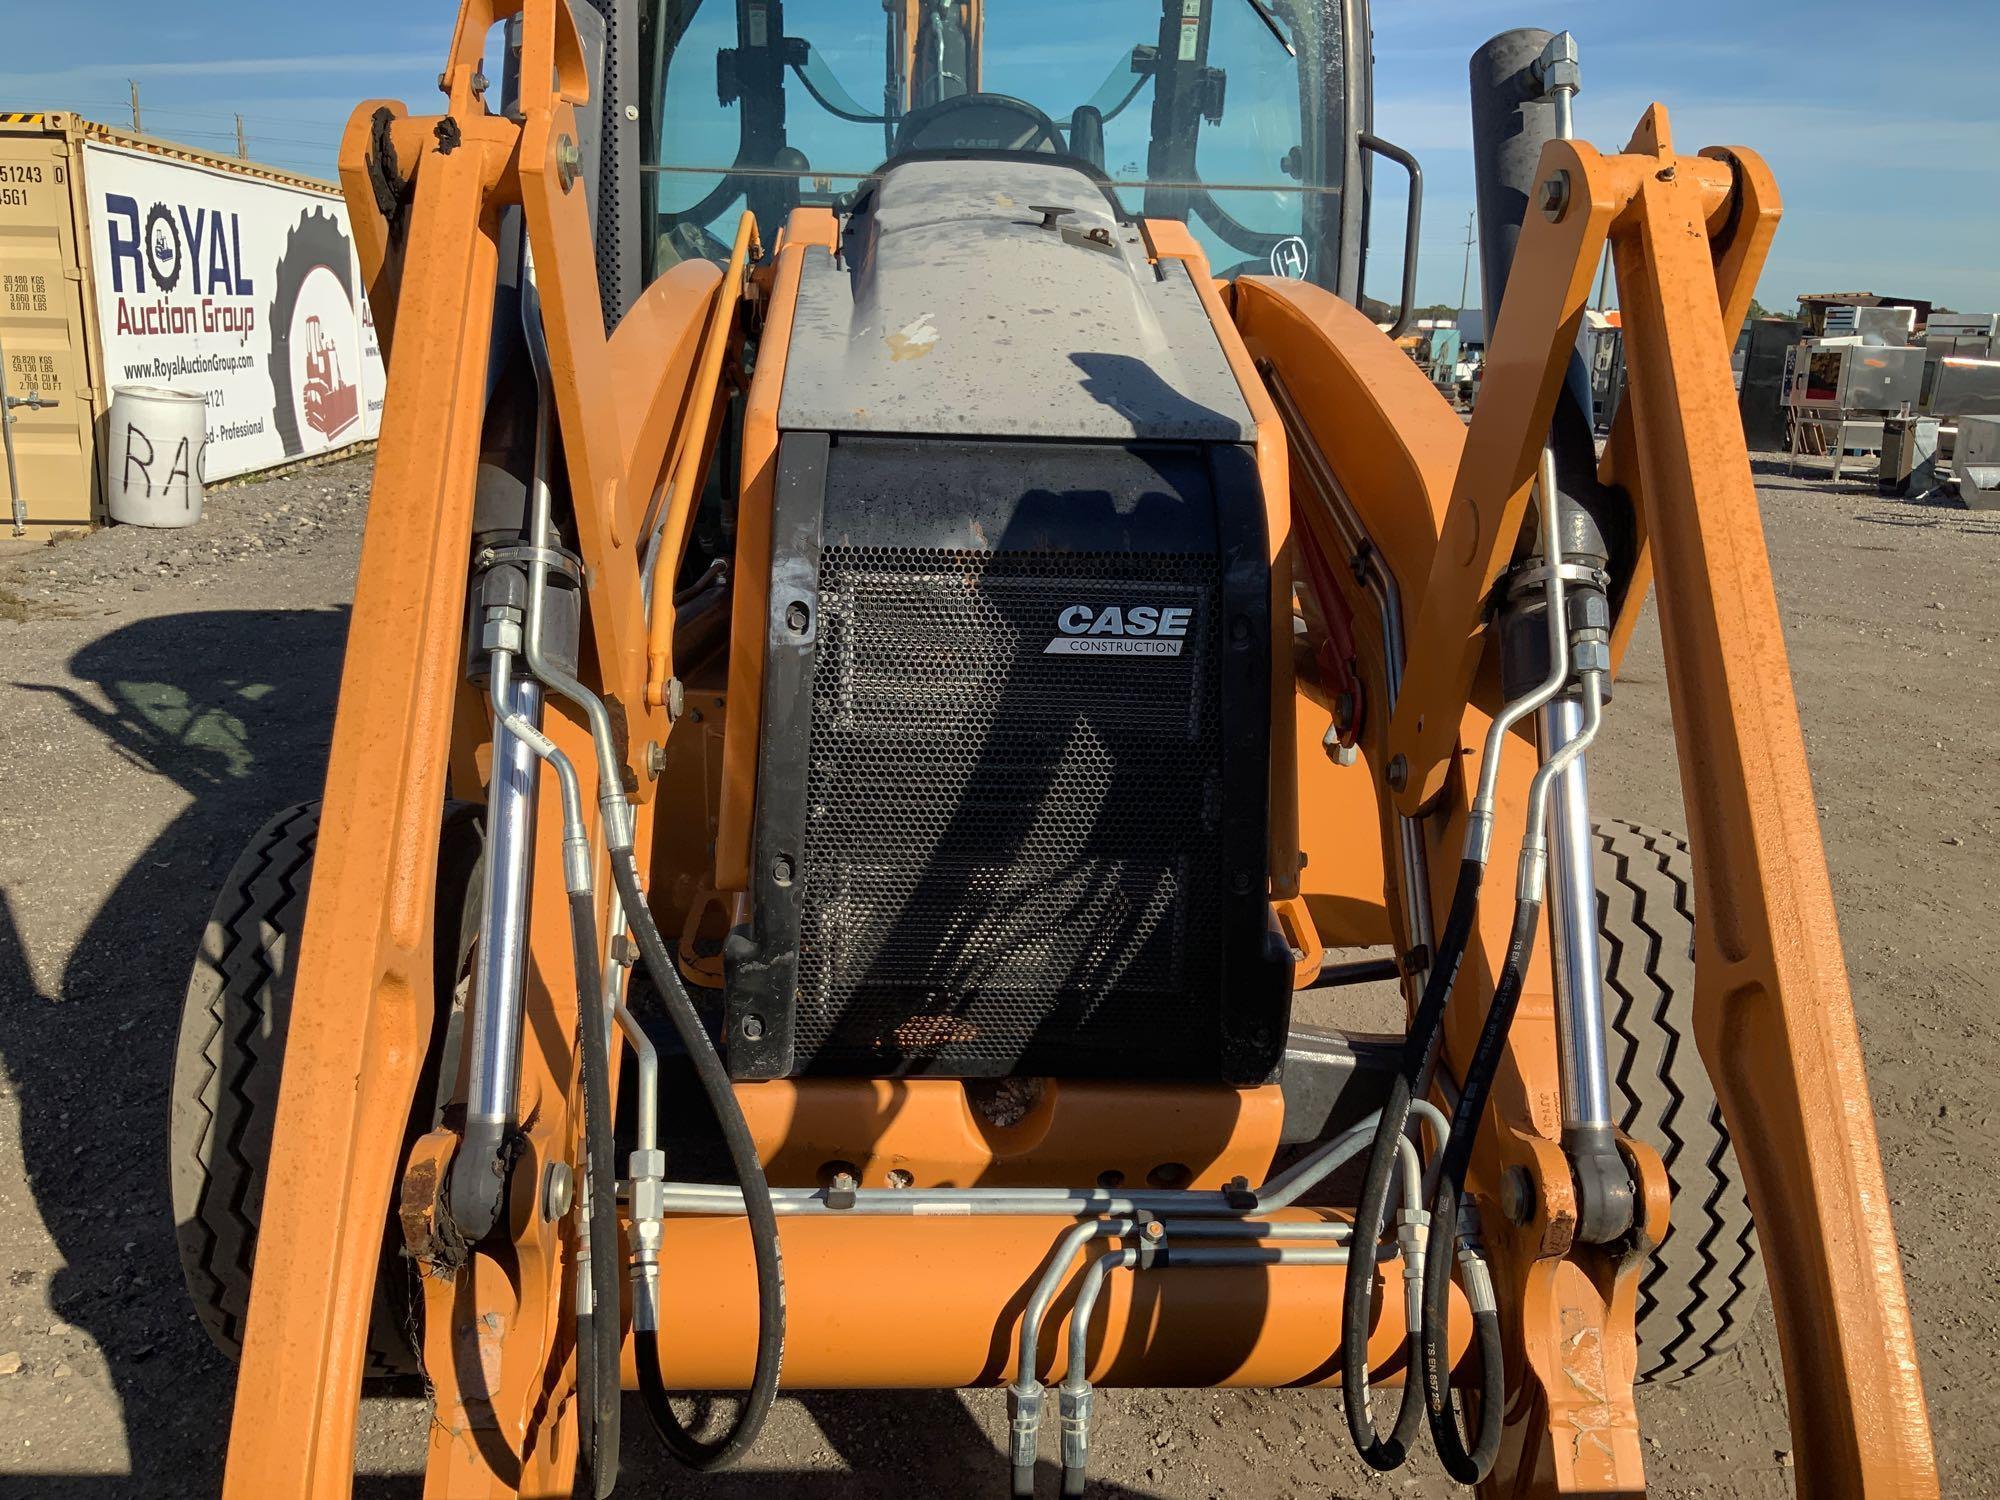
{"x": 648, "y": 1207}
{"x": 1024, "y": 1425}
{"x": 1073, "y": 1408}
{"x": 1413, "y": 1227}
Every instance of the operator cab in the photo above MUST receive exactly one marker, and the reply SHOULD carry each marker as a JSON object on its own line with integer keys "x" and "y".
{"x": 1242, "y": 119}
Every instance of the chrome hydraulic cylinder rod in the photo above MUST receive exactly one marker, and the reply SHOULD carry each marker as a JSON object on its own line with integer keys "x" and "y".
{"x": 500, "y": 974}
{"x": 1586, "y": 1082}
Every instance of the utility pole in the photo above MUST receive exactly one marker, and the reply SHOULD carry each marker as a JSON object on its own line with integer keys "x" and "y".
{"x": 242, "y": 150}
{"x": 135, "y": 105}
{"x": 1604, "y": 279}
{"x": 1465, "y": 274}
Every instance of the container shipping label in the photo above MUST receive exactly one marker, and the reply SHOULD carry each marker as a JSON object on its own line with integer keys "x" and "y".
{"x": 245, "y": 291}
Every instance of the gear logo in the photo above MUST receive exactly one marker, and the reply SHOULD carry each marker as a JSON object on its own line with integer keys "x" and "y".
{"x": 164, "y": 257}
{"x": 316, "y": 397}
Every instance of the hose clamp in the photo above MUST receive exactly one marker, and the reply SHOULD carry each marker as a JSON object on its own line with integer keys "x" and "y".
{"x": 1532, "y": 575}
{"x": 554, "y": 558}
{"x": 1152, "y": 1240}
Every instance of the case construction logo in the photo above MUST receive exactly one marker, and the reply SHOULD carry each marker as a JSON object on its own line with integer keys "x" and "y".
{"x": 1118, "y": 630}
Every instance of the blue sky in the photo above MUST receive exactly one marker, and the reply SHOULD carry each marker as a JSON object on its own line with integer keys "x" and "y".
{"x": 1881, "y": 121}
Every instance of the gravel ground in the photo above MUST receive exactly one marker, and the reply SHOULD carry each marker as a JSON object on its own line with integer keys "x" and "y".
{"x": 168, "y": 689}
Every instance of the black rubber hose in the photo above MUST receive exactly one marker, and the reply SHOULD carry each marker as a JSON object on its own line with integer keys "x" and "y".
{"x": 598, "y": 1333}
{"x": 1469, "y": 1464}
{"x": 1371, "y": 1214}
{"x": 696, "y": 1453}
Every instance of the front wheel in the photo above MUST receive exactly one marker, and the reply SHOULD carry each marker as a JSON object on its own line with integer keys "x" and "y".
{"x": 1707, "y": 1276}
{"x": 230, "y": 1059}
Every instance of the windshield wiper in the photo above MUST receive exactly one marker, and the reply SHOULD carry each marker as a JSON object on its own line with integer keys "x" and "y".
{"x": 1271, "y": 23}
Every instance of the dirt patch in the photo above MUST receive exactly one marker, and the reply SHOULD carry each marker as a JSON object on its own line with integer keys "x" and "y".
{"x": 167, "y": 690}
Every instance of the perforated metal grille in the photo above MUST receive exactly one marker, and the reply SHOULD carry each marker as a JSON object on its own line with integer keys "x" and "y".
{"x": 1011, "y": 857}
{"x": 615, "y": 89}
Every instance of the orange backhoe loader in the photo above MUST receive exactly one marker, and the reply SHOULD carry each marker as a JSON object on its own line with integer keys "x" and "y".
{"x": 908, "y": 640}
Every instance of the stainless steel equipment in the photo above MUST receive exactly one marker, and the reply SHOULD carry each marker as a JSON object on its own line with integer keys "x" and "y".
{"x": 1857, "y": 377}
{"x": 1978, "y": 463}
{"x": 1961, "y": 387}
{"x": 1962, "y": 335}
{"x": 1909, "y": 455}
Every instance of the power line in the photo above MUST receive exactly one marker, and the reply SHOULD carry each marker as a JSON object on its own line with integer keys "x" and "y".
{"x": 206, "y": 114}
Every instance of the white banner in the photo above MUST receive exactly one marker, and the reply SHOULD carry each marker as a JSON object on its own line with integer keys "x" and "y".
{"x": 244, "y": 290}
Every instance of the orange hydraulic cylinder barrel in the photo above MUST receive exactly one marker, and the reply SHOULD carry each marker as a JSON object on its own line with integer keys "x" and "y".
{"x": 935, "y": 1302}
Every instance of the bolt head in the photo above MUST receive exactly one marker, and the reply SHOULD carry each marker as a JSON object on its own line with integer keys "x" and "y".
{"x": 752, "y": 1028}
{"x": 1555, "y": 197}
{"x": 1398, "y": 773}
{"x": 1517, "y": 1196}
{"x": 569, "y": 162}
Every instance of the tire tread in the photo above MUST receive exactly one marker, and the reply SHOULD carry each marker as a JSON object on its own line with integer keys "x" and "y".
{"x": 227, "y": 1068}
{"x": 1706, "y": 1276}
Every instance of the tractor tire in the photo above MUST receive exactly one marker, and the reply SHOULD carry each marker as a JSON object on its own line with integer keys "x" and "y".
{"x": 230, "y": 1059}
{"x": 1707, "y": 1276}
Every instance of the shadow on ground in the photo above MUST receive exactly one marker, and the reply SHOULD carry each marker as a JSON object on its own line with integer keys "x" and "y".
{"x": 236, "y": 709}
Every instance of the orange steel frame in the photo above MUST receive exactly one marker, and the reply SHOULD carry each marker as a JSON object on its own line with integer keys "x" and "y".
{"x": 1340, "y": 413}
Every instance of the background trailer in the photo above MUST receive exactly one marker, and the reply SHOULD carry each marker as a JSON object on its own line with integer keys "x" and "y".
{"x": 129, "y": 261}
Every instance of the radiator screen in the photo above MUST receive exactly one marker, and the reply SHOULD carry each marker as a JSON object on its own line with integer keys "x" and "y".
{"x": 1011, "y": 857}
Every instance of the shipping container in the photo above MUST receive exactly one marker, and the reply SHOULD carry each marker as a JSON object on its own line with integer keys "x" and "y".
{"x": 49, "y": 364}
{"x": 132, "y": 261}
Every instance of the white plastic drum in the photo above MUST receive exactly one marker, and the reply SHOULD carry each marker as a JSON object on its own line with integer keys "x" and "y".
{"x": 153, "y": 477}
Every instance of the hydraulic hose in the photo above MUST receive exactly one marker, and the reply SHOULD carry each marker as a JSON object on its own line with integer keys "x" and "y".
{"x": 706, "y": 1455}
{"x": 1421, "y": 1042}
{"x": 1469, "y": 1464}
{"x": 598, "y": 1335}
{"x": 1371, "y": 1214}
